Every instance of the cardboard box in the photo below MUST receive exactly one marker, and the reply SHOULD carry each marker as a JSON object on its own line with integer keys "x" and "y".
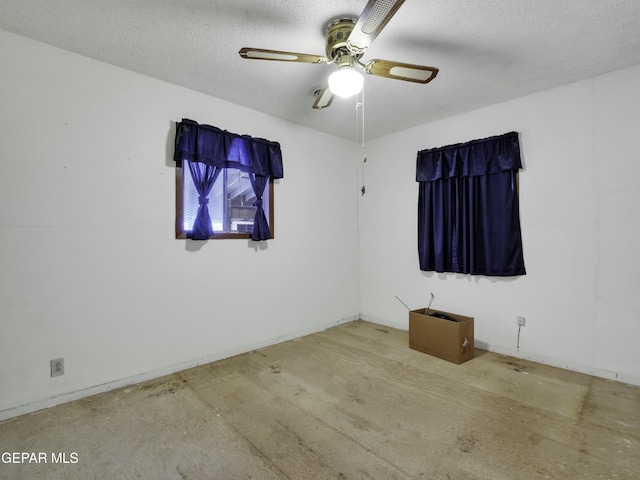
{"x": 446, "y": 339}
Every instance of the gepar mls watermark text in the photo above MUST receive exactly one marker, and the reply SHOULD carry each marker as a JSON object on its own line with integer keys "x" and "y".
{"x": 40, "y": 457}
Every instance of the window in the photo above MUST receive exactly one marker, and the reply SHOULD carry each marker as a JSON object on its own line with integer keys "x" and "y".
{"x": 221, "y": 183}
{"x": 231, "y": 203}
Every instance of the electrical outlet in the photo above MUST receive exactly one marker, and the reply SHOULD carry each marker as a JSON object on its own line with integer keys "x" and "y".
{"x": 57, "y": 367}
{"x": 521, "y": 320}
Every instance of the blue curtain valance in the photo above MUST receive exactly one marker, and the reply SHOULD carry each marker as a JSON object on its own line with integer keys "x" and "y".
{"x": 479, "y": 157}
{"x": 219, "y": 148}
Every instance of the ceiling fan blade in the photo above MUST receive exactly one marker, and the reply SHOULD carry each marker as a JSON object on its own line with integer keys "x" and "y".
{"x": 262, "y": 54}
{"x": 401, "y": 71}
{"x": 323, "y": 99}
{"x": 371, "y": 22}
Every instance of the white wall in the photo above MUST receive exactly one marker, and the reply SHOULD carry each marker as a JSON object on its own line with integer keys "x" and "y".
{"x": 580, "y": 214}
{"x": 89, "y": 266}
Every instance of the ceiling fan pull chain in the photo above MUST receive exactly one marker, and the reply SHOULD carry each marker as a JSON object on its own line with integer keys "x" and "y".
{"x": 360, "y": 119}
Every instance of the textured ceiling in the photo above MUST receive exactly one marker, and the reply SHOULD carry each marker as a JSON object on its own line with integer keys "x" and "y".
{"x": 487, "y": 51}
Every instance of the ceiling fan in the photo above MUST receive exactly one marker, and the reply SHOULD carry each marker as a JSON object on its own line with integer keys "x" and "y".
{"x": 346, "y": 42}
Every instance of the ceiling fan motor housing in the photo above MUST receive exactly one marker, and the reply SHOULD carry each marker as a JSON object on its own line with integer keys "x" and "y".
{"x": 336, "y": 38}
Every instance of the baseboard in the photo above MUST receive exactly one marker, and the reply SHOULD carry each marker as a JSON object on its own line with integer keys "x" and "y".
{"x": 552, "y": 362}
{"x": 49, "y": 402}
{"x": 52, "y": 401}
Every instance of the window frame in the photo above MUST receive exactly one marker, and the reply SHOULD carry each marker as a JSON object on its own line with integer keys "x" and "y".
{"x": 182, "y": 234}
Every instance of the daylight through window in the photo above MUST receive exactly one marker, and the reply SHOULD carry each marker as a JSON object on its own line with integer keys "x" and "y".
{"x": 231, "y": 203}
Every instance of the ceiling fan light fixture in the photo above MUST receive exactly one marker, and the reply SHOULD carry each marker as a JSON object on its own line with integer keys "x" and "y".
{"x": 346, "y": 82}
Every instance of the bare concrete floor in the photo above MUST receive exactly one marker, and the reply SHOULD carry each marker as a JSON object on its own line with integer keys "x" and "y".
{"x": 353, "y": 402}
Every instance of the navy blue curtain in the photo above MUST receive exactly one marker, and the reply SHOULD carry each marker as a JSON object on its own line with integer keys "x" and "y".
{"x": 222, "y": 149}
{"x": 218, "y": 149}
{"x": 204, "y": 177}
{"x": 261, "y": 230}
{"x": 468, "y": 211}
